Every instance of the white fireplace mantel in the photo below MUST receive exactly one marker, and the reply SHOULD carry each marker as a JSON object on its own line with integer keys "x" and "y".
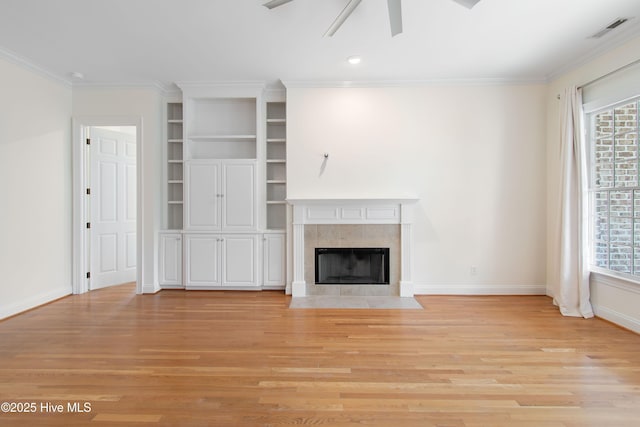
{"x": 353, "y": 211}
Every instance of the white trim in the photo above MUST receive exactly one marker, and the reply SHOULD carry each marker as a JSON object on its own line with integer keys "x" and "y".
{"x": 412, "y": 83}
{"x": 594, "y": 108}
{"x": 172, "y": 93}
{"x": 614, "y": 42}
{"x": 453, "y": 289}
{"x": 34, "y": 301}
{"x": 275, "y": 94}
{"x": 258, "y": 84}
{"x": 31, "y": 66}
{"x": 79, "y": 158}
{"x": 611, "y": 279}
{"x": 152, "y": 288}
{"x": 617, "y": 318}
{"x": 232, "y": 89}
{"x": 352, "y": 201}
{"x": 164, "y": 89}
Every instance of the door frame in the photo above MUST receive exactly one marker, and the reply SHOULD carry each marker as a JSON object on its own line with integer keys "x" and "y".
{"x": 80, "y": 156}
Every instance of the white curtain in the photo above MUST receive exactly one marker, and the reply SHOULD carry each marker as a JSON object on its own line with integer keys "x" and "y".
{"x": 572, "y": 292}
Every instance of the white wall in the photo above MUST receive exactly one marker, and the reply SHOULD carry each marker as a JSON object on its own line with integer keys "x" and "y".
{"x": 473, "y": 154}
{"x": 147, "y": 104}
{"x": 35, "y": 189}
{"x": 611, "y": 298}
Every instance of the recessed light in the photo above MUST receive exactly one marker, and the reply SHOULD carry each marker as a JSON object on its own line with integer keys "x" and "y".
{"x": 354, "y": 60}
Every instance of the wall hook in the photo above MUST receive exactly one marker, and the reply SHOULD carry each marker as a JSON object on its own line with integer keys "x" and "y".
{"x": 323, "y": 166}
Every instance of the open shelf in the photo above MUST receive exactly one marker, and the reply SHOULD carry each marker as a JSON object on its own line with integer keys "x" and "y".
{"x": 222, "y": 116}
{"x": 276, "y": 216}
{"x": 223, "y": 137}
{"x": 276, "y": 182}
{"x": 175, "y": 160}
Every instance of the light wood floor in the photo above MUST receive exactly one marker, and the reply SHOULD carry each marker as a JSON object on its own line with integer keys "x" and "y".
{"x": 246, "y": 359}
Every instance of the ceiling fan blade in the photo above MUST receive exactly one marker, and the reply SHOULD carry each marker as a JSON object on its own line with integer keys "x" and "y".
{"x": 349, "y": 8}
{"x": 395, "y": 16}
{"x": 275, "y": 3}
{"x": 467, "y": 3}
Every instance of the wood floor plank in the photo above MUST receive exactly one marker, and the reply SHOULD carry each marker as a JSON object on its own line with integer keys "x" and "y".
{"x": 245, "y": 359}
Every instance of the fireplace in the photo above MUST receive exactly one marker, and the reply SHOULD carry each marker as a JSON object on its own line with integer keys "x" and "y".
{"x": 352, "y": 266}
{"x": 346, "y": 224}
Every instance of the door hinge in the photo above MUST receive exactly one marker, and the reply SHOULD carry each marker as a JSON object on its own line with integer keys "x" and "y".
{"x": 88, "y": 191}
{"x": 88, "y": 141}
{"x": 88, "y": 225}
{"x": 88, "y": 275}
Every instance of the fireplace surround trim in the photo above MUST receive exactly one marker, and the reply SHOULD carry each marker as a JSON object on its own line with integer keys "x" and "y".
{"x": 353, "y": 211}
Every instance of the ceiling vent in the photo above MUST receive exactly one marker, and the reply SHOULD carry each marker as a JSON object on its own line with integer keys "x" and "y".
{"x": 615, "y": 24}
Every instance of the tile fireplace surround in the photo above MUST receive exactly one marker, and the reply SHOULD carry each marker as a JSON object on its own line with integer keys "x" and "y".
{"x": 353, "y": 223}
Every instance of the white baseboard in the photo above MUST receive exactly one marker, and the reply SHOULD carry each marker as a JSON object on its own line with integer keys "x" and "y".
{"x": 151, "y": 288}
{"x": 34, "y": 301}
{"x": 618, "y": 318}
{"x": 299, "y": 289}
{"x": 425, "y": 289}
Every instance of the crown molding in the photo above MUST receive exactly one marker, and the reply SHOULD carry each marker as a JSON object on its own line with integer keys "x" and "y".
{"x": 411, "y": 83}
{"x": 33, "y": 67}
{"x": 614, "y": 42}
{"x": 256, "y": 84}
{"x": 230, "y": 89}
{"x": 163, "y": 88}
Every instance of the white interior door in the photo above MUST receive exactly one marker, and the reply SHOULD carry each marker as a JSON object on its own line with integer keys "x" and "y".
{"x": 112, "y": 207}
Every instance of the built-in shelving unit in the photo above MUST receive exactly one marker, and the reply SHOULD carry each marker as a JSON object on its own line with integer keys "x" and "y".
{"x": 175, "y": 162}
{"x": 221, "y": 128}
{"x": 276, "y": 180}
{"x": 226, "y": 188}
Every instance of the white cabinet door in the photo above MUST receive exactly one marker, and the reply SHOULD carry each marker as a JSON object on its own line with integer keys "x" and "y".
{"x": 221, "y": 261}
{"x": 220, "y": 196}
{"x": 238, "y": 196}
{"x": 202, "y": 261}
{"x": 203, "y": 197}
{"x": 239, "y": 260}
{"x": 170, "y": 260}
{"x": 274, "y": 256}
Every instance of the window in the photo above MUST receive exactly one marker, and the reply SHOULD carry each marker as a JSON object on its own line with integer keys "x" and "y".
{"x": 614, "y": 188}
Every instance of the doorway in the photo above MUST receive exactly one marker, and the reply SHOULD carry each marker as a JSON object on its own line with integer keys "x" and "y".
{"x": 111, "y": 185}
{"x": 107, "y": 223}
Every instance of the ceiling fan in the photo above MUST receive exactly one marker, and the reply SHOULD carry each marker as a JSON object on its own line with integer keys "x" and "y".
{"x": 395, "y": 13}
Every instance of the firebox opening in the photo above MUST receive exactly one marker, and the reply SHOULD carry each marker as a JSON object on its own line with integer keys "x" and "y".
{"x": 349, "y": 266}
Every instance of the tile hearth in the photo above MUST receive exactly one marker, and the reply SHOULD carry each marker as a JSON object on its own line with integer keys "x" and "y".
{"x": 372, "y": 302}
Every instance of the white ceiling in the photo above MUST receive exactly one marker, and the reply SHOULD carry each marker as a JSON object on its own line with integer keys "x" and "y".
{"x": 163, "y": 41}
